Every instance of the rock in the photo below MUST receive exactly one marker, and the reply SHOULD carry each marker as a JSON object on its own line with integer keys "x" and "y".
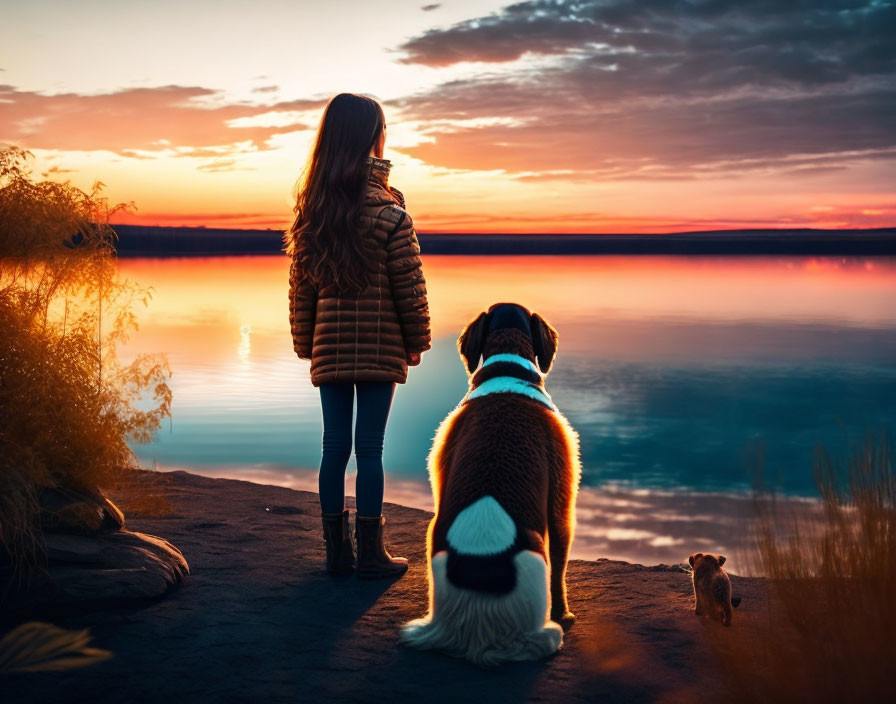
{"x": 110, "y": 566}
{"x": 70, "y": 511}
{"x": 80, "y": 517}
{"x": 678, "y": 567}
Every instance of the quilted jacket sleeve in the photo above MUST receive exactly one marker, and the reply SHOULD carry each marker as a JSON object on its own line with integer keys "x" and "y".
{"x": 302, "y": 311}
{"x": 408, "y": 286}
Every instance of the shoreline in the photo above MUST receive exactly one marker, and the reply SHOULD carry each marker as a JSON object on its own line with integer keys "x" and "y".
{"x": 159, "y": 241}
{"x": 258, "y": 618}
{"x": 633, "y": 525}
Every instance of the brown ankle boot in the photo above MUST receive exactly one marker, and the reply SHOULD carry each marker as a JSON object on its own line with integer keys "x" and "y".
{"x": 373, "y": 559}
{"x": 338, "y": 537}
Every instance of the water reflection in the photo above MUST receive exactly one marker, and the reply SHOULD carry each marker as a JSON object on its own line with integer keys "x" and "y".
{"x": 677, "y": 372}
{"x": 245, "y": 342}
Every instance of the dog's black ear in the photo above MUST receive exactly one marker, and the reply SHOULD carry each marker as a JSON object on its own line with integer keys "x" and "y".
{"x": 691, "y": 560}
{"x": 722, "y": 559}
{"x": 544, "y": 342}
{"x": 471, "y": 342}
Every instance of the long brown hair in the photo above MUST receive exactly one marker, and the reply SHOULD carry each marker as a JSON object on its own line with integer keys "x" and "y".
{"x": 325, "y": 238}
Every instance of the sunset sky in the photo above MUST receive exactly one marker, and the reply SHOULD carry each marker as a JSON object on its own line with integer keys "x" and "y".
{"x": 588, "y": 116}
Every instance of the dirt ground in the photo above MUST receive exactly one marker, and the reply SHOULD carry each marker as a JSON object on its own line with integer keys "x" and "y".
{"x": 259, "y": 620}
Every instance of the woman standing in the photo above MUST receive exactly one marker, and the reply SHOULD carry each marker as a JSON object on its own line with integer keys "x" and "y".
{"x": 358, "y": 311}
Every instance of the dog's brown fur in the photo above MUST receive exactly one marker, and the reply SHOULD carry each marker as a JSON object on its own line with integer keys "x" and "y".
{"x": 516, "y": 450}
{"x": 712, "y": 587}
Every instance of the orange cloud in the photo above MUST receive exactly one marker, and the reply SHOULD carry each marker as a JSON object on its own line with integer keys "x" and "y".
{"x": 236, "y": 220}
{"x": 140, "y": 122}
{"x": 618, "y": 223}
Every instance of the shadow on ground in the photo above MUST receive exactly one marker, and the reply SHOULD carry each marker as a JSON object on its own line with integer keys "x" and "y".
{"x": 259, "y": 620}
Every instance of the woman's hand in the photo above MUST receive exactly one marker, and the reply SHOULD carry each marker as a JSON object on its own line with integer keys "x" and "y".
{"x": 413, "y": 359}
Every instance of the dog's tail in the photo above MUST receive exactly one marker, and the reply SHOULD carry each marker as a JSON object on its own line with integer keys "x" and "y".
{"x": 489, "y": 596}
{"x": 482, "y": 542}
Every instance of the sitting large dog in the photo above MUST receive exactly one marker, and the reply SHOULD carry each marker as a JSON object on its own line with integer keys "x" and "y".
{"x": 505, "y": 471}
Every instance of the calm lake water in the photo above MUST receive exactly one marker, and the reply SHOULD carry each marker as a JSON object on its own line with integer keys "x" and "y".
{"x": 678, "y": 372}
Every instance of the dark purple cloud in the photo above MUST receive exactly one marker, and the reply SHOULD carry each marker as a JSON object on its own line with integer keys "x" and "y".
{"x": 666, "y": 87}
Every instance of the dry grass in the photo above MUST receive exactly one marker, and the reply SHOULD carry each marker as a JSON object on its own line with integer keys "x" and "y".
{"x": 42, "y": 647}
{"x": 828, "y": 632}
{"x": 143, "y": 494}
{"x": 67, "y": 405}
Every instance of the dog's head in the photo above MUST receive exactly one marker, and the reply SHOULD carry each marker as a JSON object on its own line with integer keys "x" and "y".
{"x": 508, "y": 327}
{"x": 705, "y": 558}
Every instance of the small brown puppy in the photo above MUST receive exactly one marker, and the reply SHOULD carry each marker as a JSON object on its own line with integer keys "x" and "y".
{"x": 712, "y": 588}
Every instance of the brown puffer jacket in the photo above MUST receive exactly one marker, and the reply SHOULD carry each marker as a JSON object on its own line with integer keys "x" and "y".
{"x": 367, "y": 337}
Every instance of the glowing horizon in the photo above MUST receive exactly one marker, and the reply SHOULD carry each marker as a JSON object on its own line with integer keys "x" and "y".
{"x": 532, "y": 117}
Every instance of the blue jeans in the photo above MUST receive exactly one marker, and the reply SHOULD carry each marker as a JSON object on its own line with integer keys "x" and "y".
{"x": 336, "y": 401}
